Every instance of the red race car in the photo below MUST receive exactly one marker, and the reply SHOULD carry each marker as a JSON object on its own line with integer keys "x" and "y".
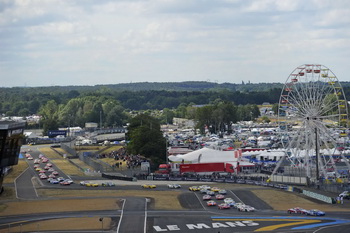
{"x": 224, "y": 206}
{"x": 211, "y": 203}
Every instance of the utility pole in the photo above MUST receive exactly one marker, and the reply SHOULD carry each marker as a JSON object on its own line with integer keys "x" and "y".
{"x": 317, "y": 155}
{"x": 100, "y": 119}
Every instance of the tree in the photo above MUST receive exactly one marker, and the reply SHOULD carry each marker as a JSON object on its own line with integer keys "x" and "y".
{"x": 145, "y": 138}
{"x": 167, "y": 116}
{"x": 49, "y": 113}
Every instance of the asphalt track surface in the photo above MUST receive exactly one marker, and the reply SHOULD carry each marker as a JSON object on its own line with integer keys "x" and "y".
{"x": 137, "y": 214}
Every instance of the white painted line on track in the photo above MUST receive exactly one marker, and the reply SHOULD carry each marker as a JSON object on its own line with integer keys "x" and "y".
{"x": 145, "y": 222}
{"x": 36, "y": 193}
{"x": 199, "y": 200}
{"x": 121, "y": 215}
{"x": 325, "y": 227}
{"x": 16, "y": 181}
{"x": 236, "y": 197}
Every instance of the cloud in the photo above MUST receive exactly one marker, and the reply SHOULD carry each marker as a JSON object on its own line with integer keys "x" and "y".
{"x": 169, "y": 40}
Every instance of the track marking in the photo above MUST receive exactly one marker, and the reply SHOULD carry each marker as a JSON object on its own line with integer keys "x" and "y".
{"x": 199, "y": 201}
{"x": 121, "y": 215}
{"x": 237, "y": 197}
{"x": 328, "y": 227}
{"x": 17, "y": 178}
{"x": 145, "y": 222}
{"x": 274, "y": 227}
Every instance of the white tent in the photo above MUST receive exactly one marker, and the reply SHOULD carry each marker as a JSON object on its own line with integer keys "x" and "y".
{"x": 205, "y": 155}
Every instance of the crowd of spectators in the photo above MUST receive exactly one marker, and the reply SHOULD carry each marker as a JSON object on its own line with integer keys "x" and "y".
{"x": 121, "y": 157}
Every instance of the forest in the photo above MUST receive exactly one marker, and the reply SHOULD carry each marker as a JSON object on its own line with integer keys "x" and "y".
{"x": 62, "y": 106}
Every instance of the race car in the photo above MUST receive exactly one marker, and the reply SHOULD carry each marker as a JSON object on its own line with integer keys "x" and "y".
{"x": 315, "y": 212}
{"x": 203, "y": 191}
{"x": 229, "y": 201}
{"x": 293, "y": 211}
{"x": 54, "y": 181}
{"x": 194, "y": 188}
{"x": 204, "y": 187}
{"x": 206, "y": 197}
{"x": 224, "y": 206}
{"x": 174, "y": 186}
{"x": 43, "y": 176}
{"x": 303, "y": 211}
{"x": 246, "y": 208}
{"x": 108, "y": 184}
{"x": 211, "y": 193}
{"x": 148, "y": 186}
{"x": 88, "y": 184}
{"x": 237, "y": 204}
{"x": 215, "y": 189}
{"x": 222, "y": 191}
{"x": 211, "y": 203}
{"x": 219, "y": 197}
{"x": 65, "y": 182}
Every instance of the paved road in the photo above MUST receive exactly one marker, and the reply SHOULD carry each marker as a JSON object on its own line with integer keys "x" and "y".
{"x": 24, "y": 186}
{"x": 134, "y": 215}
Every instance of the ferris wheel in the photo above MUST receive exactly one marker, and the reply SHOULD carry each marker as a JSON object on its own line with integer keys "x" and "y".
{"x": 313, "y": 119}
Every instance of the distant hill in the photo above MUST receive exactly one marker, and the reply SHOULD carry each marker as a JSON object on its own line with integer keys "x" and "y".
{"x": 164, "y": 86}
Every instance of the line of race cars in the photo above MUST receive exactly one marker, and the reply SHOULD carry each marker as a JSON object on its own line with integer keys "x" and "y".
{"x": 95, "y": 184}
{"x": 52, "y": 177}
{"x": 312, "y": 212}
{"x": 219, "y": 194}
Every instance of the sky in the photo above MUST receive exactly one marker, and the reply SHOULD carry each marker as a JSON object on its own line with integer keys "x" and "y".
{"x": 93, "y": 42}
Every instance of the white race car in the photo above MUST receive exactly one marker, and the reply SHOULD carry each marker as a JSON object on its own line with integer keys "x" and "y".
{"x": 246, "y": 208}
{"x": 174, "y": 186}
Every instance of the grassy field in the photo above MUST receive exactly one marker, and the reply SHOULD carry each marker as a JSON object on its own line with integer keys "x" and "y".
{"x": 282, "y": 200}
{"x": 79, "y": 224}
{"x": 55, "y": 206}
{"x": 68, "y": 168}
{"x": 81, "y": 164}
{"x": 16, "y": 171}
{"x": 162, "y": 200}
{"x": 50, "y": 153}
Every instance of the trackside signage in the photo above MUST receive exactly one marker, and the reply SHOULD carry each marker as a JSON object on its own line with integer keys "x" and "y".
{"x": 213, "y": 225}
{"x": 318, "y": 196}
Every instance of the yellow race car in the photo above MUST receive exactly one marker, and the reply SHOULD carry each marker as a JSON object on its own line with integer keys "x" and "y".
{"x": 215, "y": 189}
{"x": 91, "y": 184}
{"x": 194, "y": 188}
{"x": 148, "y": 186}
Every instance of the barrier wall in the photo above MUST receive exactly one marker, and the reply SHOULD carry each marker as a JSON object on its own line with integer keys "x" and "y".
{"x": 289, "y": 179}
{"x": 318, "y": 196}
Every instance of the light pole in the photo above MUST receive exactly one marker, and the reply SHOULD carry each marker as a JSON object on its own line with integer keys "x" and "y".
{"x": 101, "y": 220}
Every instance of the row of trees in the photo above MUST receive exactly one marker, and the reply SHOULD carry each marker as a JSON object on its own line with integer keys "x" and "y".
{"x": 216, "y": 115}
{"x": 24, "y": 102}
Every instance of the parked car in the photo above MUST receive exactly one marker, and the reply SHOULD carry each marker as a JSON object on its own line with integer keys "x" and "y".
{"x": 345, "y": 195}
